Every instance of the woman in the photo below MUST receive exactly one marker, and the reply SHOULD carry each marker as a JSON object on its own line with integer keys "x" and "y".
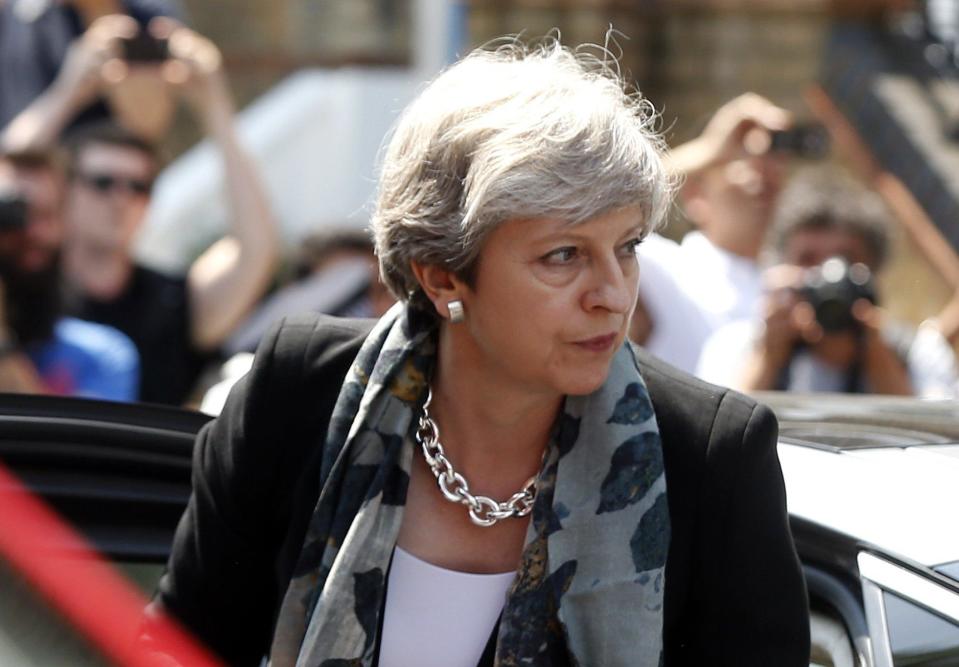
{"x": 479, "y": 478}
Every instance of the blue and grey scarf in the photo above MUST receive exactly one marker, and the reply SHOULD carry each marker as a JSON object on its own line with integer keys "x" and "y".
{"x": 590, "y": 585}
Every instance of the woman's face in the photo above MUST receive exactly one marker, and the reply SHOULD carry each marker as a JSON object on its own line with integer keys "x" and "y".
{"x": 551, "y": 302}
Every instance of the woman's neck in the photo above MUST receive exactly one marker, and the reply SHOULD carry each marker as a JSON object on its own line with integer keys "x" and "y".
{"x": 494, "y": 430}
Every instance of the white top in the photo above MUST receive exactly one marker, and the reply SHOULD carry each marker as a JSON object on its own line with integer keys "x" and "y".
{"x": 930, "y": 362}
{"x": 726, "y": 286}
{"x": 691, "y": 290}
{"x": 725, "y": 353}
{"x": 679, "y": 325}
{"x": 436, "y": 617}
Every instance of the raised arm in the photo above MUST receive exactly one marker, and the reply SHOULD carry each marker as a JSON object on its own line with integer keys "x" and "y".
{"x": 78, "y": 83}
{"x": 229, "y": 278}
{"x": 93, "y": 66}
{"x": 742, "y": 123}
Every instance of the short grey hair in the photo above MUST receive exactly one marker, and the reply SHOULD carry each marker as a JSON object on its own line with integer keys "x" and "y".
{"x": 512, "y": 132}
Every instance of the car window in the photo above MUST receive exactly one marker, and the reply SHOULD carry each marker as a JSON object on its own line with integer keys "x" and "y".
{"x": 918, "y": 637}
{"x": 33, "y": 633}
{"x": 144, "y": 576}
{"x": 951, "y": 570}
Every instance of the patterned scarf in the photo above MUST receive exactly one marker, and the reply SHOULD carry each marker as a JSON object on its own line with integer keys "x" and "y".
{"x": 590, "y": 584}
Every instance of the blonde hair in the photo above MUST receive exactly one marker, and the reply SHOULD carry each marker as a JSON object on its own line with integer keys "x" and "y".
{"x": 512, "y": 132}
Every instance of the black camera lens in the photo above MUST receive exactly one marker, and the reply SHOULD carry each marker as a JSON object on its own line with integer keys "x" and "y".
{"x": 832, "y": 288}
{"x": 13, "y": 210}
{"x": 834, "y": 315}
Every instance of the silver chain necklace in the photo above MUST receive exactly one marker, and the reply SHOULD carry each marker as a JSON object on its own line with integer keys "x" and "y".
{"x": 483, "y": 511}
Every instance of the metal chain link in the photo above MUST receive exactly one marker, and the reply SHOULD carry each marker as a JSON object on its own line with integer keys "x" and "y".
{"x": 483, "y": 511}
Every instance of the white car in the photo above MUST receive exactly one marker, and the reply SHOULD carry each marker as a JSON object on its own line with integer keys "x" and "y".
{"x": 872, "y": 487}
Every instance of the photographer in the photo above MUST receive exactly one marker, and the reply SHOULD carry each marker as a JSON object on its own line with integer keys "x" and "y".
{"x": 50, "y": 74}
{"x": 821, "y": 328}
{"x": 732, "y": 176}
{"x": 40, "y": 350}
{"x": 176, "y": 321}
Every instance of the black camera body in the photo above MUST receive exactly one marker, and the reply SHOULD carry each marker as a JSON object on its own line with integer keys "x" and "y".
{"x": 13, "y": 210}
{"x": 810, "y": 142}
{"x": 832, "y": 288}
{"x": 145, "y": 48}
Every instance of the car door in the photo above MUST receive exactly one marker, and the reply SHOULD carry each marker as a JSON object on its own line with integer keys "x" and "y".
{"x": 119, "y": 473}
{"x": 912, "y": 613}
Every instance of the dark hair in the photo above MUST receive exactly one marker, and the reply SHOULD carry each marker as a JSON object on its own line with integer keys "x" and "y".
{"x": 825, "y": 198}
{"x": 35, "y": 159}
{"x": 317, "y": 247}
{"x": 111, "y": 134}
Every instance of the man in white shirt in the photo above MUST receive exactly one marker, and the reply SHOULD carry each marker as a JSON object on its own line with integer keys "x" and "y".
{"x": 820, "y": 329}
{"x": 732, "y": 181}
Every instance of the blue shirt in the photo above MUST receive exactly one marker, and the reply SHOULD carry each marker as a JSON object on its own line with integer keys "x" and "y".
{"x": 88, "y": 359}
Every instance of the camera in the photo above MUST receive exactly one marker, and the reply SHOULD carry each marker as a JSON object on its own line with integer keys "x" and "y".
{"x": 13, "y": 210}
{"x": 145, "y": 48}
{"x": 832, "y": 288}
{"x": 805, "y": 141}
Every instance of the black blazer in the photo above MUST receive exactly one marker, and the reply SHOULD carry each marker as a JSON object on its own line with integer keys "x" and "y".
{"x": 734, "y": 588}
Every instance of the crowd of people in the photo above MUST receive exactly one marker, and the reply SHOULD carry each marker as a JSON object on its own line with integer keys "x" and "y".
{"x": 514, "y": 198}
{"x": 89, "y": 89}
{"x": 84, "y": 172}
{"x": 776, "y": 286}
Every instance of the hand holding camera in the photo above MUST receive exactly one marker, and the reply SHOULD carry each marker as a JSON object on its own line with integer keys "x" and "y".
{"x": 832, "y": 298}
{"x": 194, "y": 69}
{"x": 116, "y": 51}
{"x": 808, "y": 141}
{"x": 741, "y": 125}
{"x": 833, "y": 290}
{"x": 781, "y": 330}
{"x": 830, "y": 308}
{"x": 85, "y": 70}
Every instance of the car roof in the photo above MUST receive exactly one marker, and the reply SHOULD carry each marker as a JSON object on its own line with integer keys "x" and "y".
{"x": 902, "y": 500}
{"x": 928, "y": 421}
{"x": 878, "y": 470}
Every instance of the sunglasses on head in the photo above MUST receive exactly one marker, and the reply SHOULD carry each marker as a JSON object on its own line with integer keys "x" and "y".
{"x": 104, "y": 183}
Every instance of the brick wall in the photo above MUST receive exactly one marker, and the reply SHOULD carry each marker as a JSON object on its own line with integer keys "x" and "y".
{"x": 688, "y": 57}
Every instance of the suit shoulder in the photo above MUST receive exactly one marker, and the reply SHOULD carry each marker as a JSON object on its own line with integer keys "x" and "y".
{"x": 679, "y": 389}
{"x": 326, "y": 327}
{"x": 311, "y": 338}
{"x": 686, "y": 405}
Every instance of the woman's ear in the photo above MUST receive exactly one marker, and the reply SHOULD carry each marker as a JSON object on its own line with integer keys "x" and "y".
{"x": 440, "y": 285}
